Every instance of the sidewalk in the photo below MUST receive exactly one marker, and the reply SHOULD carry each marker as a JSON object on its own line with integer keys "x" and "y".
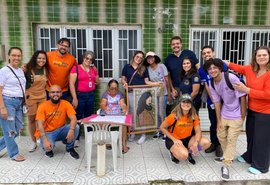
{"x": 143, "y": 164}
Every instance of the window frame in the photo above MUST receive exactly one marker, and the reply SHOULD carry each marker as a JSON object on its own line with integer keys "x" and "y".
{"x": 90, "y": 41}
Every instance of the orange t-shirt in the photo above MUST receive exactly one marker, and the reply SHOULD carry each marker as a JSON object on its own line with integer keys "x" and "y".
{"x": 259, "y": 94}
{"x": 54, "y": 116}
{"x": 183, "y": 126}
{"x": 59, "y": 68}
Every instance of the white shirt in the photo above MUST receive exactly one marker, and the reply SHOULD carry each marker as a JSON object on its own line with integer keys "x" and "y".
{"x": 9, "y": 82}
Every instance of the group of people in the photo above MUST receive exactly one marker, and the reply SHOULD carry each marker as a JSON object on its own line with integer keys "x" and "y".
{"x": 183, "y": 81}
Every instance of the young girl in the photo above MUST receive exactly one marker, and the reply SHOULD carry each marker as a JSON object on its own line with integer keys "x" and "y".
{"x": 182, "y": 128}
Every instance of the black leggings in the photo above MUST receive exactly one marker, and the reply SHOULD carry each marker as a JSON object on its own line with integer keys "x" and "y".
{"x": 258, "y": 140}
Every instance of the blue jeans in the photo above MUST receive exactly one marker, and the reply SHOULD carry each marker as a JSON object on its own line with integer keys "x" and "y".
{"x": 164, "y": 109}
{"x": 11, "y": 127}
{"x": 85, "y": 105}
{"x": 60, "y": 134}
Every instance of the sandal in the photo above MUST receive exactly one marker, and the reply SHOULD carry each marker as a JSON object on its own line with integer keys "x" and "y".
{"x": 19, "y": 158}
{"x": 125, "y": 149}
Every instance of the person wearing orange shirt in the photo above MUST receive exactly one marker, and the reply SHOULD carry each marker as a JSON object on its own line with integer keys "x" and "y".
{"x": 182, "y": 128}
{"x": 60, "y": 63}
{"x": 258, "y": 115}
{"x": 51, "y": 121}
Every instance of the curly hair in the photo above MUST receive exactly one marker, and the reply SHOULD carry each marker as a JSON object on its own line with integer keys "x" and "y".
{"x": 32, "y": 64}
{"x": 254, "y": 63}
{"x": 142, "y": 103}
{"x": 213, "y": 61}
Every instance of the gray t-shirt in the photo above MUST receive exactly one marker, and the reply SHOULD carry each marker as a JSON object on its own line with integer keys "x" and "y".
{"x": 158, "y": 75}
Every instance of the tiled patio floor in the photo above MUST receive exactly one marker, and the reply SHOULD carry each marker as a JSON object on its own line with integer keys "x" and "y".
{"x": 141, "y": 165}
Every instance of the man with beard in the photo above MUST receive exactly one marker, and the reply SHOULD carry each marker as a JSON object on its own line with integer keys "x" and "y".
{"x": 173, "y": 62}
{"x": 51, "y": 120}
{"x": 60, "y": 63}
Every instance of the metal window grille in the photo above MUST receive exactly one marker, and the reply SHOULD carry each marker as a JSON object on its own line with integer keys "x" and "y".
{"x": 113, "y": 46}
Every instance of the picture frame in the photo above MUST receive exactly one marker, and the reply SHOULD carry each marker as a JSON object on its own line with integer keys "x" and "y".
{"x": 145, "y": 108}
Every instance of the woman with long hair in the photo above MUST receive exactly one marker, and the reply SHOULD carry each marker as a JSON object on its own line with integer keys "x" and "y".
{"x": 190, "y": 82}
{"x": 144, "y": 109}
{"x": 182, "y": 128}
{"x": 135, "y": 73}
{"x": 258, "y": 115}
{"x": 36, "y": 79}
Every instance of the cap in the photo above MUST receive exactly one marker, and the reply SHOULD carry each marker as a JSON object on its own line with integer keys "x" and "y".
{"x": 150, "y": 53}
{"x": 185, "y": 97}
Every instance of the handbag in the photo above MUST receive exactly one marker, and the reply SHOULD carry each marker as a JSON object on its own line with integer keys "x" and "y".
{"x": 24, "y": 106}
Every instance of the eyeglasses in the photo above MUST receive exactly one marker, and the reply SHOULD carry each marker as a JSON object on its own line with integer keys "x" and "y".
{"x": 87, "y": 58}
{"x": 55, "y": 92}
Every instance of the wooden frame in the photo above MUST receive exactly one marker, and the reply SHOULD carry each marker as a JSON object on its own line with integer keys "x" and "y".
{"x": 139, "y": 110}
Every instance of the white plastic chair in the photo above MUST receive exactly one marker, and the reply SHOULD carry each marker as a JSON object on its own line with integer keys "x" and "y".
{"x": 119, "y": 141}
{"x": 101, "y": 134}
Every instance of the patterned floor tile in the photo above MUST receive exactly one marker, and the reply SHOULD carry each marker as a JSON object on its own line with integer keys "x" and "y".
{"x": 143, "y": 163}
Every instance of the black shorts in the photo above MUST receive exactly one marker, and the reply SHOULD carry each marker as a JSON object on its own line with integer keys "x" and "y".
{"x": 169, "y": 143}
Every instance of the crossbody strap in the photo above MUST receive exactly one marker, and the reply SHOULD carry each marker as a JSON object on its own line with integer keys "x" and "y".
{"x": 132, "y": 76}
{"x": 19, "y": 82}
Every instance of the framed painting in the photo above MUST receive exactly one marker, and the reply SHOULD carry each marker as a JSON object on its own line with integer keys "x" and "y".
{"x": 145, "y": 108}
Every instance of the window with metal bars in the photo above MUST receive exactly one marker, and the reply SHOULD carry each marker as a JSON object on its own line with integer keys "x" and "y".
{"x": 114, "y": 46}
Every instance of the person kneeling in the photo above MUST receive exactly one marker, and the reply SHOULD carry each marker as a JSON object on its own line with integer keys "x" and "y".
{"x": 182, "y": 128}
{"x": 51, "y": 118}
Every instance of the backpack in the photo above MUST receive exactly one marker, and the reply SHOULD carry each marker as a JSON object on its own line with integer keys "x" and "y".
{"x": 227, "y": 79}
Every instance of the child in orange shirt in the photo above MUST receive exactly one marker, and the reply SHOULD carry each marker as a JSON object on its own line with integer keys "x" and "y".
{"x": 182, "y": 128}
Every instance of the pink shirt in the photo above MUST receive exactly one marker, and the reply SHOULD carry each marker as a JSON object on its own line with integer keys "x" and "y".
{"x": 86, "y": 80}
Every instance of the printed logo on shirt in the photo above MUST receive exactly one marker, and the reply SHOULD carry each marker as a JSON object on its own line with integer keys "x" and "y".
{"x": 196, "y": 79}
{"x": 59, "y": 63}
{"x": 186, "y": 82}
{"x": 184, "y": 124}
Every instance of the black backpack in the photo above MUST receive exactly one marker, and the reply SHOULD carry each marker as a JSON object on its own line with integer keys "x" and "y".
{"x": 227, "y": 79}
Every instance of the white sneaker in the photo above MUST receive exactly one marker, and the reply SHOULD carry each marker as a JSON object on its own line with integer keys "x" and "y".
{"x": 131, "y": 137}
{"x": 142, "y": 139}
{"x": 77, "y": 143}
{"x": 33, "y": 147}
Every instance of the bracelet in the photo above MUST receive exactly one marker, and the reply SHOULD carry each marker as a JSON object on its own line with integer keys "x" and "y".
{"x": 71, "y": 129}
